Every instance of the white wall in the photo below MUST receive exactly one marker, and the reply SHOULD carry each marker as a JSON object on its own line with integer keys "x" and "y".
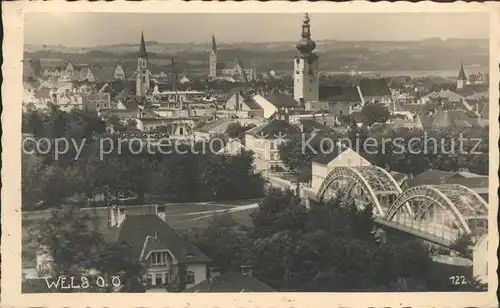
{"x": 347, "y": 158}
{"x": 480, "y": 260}
{"x": 305, "y": 86}
{"x": 268, "y": 108}
{"x": 200, "y": 273}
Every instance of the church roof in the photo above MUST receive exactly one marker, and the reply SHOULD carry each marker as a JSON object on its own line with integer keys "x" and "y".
{"x": 339, "y": 93}
{"x": 142, "y": 48}
{"x": 282, "y": 100}
{"x": 374, "y": 87}
{"x": 461, "y": 74}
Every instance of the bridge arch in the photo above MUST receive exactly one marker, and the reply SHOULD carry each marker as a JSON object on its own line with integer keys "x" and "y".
{"x": 373, "y": 181}
{"x": 458, "y": 203}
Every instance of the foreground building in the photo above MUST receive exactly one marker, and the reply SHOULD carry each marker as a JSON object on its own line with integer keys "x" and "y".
{"x": 153, "y": 242}
{"x": 231, "y": 282}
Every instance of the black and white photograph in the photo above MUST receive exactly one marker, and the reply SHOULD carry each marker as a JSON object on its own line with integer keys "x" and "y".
{"x": 296, "y": 152}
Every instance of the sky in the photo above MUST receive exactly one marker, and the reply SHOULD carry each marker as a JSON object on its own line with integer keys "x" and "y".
{"x": 92, "y": 29}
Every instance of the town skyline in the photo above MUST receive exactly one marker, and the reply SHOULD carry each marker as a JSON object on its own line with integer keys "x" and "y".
{"x": 271, "y": 28}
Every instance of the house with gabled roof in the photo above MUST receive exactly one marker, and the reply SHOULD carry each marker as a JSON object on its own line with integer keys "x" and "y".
{"x": 151, "y": 240}
{"x": 276, "y": 103}
{"x": 243, "y": 106}
{"x": 340, "y": 155}
{"x": 336, "y": 100}
{"x": 166, "y": 255}
{"x": 375, "y": 91}
{"x": 265, "y": 139}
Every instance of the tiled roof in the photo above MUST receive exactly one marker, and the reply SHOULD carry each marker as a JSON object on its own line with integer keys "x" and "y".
{"x": 449, "y": 95}
{"x": 104, "y": 74}
{"x": 374, "y": 87}
{"x": 454, "y": 118}
{"x": 282, "y": 100}
{"x": 310, "y": 125}
{"x": 42, "y": 93}
{"x": 132, "y": 102}
{"x": 231, "y": 282}
{"x": 162, "y": 87}
{"x": 136, "y": 228}
{"x": 339, "y": 93}
{"x": 209, "y": 127}
{"x": 413, "y": 108}
{"x": 437, "y": 177}
{"x": 273, "y": 129}
{"x": 471, "y": 89}
{"x": 478, "y": 96}
{"x": 251, "y": 103}
{"x": 324, "y": 159}
{"x": 430, "y": 177}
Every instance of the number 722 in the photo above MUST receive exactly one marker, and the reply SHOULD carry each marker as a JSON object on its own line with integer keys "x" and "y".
{"x": 456, "y": 280}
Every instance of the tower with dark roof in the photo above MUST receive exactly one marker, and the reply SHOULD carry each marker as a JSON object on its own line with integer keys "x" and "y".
{"x": 306, "y": 72}
{"x": 143, "y": 73}
{"x": 212, "y": 73}
{"x": 462, "y": 78}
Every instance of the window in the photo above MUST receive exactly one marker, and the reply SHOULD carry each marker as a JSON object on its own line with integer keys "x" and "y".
{"x": 189, "y": 277}
{"x": 181, "y": 131}
{"x": 158, "y": 259}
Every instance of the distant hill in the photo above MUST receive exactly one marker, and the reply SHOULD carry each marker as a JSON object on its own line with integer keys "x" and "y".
{"x": 429, "y": 54}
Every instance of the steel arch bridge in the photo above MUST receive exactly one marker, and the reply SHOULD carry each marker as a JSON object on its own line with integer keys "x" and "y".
{"x": 438, "y": 213}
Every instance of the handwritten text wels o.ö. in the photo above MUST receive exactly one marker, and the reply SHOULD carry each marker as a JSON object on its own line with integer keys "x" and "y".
{"x": 82, "y": 282}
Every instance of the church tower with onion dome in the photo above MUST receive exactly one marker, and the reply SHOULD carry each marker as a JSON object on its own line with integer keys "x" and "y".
{"x": 306, "y": 72}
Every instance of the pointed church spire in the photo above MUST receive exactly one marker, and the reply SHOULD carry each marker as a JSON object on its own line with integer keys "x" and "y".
{"x": 142, "y": 48}
{"x": 214, "y": 44}
{"x": 461, "y": 74}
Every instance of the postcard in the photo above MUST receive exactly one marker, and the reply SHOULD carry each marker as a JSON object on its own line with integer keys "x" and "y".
{"x": 183, "y": 154}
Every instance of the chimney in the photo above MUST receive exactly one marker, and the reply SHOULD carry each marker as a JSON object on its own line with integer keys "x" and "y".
{"x": 246, "y": 270}
{"x": 121, "y": 216}
{"x": 160, "y": 211}
{"x": 213, "y": 272}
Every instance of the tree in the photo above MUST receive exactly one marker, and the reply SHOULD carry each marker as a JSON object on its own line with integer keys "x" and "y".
{"x": 236, "y": 130}
{"x": 77, "y": 248}
{"x": 297, "y": 154}
{"x": 374, "y": 113}
{"x": 221, "y": 241}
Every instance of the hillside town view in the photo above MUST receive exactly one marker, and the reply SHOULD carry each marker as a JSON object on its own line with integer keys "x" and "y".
{"x": 305, "y": 166}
